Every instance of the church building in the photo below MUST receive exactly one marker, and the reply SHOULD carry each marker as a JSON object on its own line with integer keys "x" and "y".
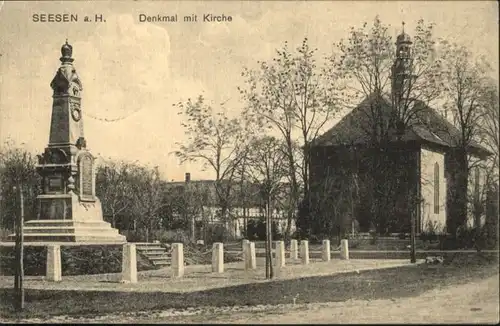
{"x": 372, "y": 171}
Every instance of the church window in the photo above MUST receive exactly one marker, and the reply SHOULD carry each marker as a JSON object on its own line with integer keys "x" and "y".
{"x": 436, "y": 188}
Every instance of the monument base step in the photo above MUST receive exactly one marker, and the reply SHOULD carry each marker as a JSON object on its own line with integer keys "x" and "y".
{"x": 69, "y": 231}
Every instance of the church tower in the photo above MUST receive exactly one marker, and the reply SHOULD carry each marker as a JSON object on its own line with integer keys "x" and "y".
{"x": 402, "y": 68}
{"x": 68, "y": 209}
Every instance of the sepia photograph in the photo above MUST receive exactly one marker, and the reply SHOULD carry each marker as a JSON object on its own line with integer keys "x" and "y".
{"x": 249, "y": 162}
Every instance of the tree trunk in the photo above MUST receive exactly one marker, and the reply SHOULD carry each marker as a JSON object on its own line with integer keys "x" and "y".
{"x": 288, "y": 229}
{"x": 21, "y": 251}
{"x": 458, "y": 203}
{"x": 270, "y": 241}
{"x": 267, "y": 248}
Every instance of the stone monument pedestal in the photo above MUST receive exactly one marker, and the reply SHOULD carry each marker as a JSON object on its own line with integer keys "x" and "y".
{"x": 68, "y": 209}
{"x": 86, "y": 226}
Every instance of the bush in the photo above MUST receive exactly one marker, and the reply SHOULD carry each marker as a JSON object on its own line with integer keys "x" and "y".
{"x": 175, "y": 236}
{"x": 133, "y": 236}
{"x": 75, "y": 260}
{"x": 216, "y": 233}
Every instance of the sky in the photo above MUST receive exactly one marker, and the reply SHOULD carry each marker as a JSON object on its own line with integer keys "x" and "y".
{"x": 133, "y": 72}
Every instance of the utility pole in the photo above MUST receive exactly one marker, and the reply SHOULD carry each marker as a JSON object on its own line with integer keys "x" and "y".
{"x": 19, "y": 270}
{"x": 413, "y": 255}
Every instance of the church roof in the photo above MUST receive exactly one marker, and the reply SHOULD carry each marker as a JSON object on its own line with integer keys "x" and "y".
{"x": 429, "y": 126}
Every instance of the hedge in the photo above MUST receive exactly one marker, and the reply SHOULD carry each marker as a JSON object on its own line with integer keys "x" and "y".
{"x": 75, "y": 260}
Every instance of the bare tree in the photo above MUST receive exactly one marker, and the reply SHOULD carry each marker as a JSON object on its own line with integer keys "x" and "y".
{"x": 185, "y": 204}
{"x": 17, "y": 166}
{"x": 291, "y": 95}
{"x": 147, "y": 190}
{"x": 217, "y": 141}
{"x": 266, "y": 169}
{"x": 114, "y": 189}
{"x": 490, "y": 130}
{"x": 465, "y": 95}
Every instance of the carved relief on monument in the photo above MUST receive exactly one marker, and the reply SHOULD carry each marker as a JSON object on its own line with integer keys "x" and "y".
{"x": 53, "y": 156}
{"x": 86, "y": 174}
{"x": 76, "y": 113}
{"x": 55, "y": 184}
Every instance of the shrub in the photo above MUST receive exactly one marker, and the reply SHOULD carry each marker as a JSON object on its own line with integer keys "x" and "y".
{"x": 75, "y": 260}
{"x": 175, "y": 236}
{"x": 216, "y": 233}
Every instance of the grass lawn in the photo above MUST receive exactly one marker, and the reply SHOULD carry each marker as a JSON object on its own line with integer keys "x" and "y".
{"x": 365, "y": 285}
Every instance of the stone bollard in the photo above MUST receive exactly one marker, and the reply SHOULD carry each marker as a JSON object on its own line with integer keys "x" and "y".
{"x": 325, "y": 252}
{"x": 250, "y": 259}
{"x": 54, "y": 268}
{"x": 344, "y": 249}
{"x": 294, "y": 249}
{"x": 279, "y": 254}
{"x": 177, "y": 260}
{"x": 244, "y": 244}
{"x": 304, "y": 252}
{"x": 129, "y": 263}
{"x": 218, "y": 258}
{"x": 244, "y": 247}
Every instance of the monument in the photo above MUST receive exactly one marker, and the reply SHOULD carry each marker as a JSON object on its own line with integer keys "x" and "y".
{"x": 68, "y": 209}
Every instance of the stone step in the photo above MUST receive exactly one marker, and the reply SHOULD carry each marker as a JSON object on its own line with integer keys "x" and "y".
{"x": 153, "y": 253}
{"x": 147, "y": 245}
{"x": 148, "y": 249}
{"x": 66, "y": 223}
{"x": 71, "y": 237}
{"x": 71, "y": 230}
{"x": 157, "y": 258}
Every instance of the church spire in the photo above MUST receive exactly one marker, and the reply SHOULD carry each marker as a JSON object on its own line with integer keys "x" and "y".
{"x": 401, "y": 69}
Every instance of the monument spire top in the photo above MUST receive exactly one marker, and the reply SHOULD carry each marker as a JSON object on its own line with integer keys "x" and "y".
{"x": 66, "y": 52}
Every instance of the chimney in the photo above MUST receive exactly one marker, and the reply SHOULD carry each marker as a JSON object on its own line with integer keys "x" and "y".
{"x": 188, "y": 177}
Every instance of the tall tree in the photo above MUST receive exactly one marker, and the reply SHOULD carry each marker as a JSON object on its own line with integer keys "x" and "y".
{"x": 216, "y": 140}
{"x": 148, "y": 191}
{"x": 490, "y": 131}
{"x": 292, "y": 96}
{"x": 465, "y": 92}
{"x": 114, "y": 188}
{"x": 185, "y": 204}
{"x": 17, "y": 166}
{"x": 266, "y": 169}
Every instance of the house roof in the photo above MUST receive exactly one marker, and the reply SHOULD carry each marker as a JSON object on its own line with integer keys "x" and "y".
{"x": 428, "y": 126}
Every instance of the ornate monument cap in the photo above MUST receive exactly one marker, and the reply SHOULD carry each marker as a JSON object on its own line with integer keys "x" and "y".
{"x": 66, "y": 52}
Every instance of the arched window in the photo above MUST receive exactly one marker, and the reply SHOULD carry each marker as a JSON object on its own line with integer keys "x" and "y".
{"x": 436, "y": 188}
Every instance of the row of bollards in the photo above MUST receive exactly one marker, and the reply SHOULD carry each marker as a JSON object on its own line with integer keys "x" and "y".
{"x": 129, "y": 258}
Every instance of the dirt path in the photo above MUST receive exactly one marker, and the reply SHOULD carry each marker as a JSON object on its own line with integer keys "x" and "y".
{"x": 476, "y": 302}
{"x": 471, "y": 303}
